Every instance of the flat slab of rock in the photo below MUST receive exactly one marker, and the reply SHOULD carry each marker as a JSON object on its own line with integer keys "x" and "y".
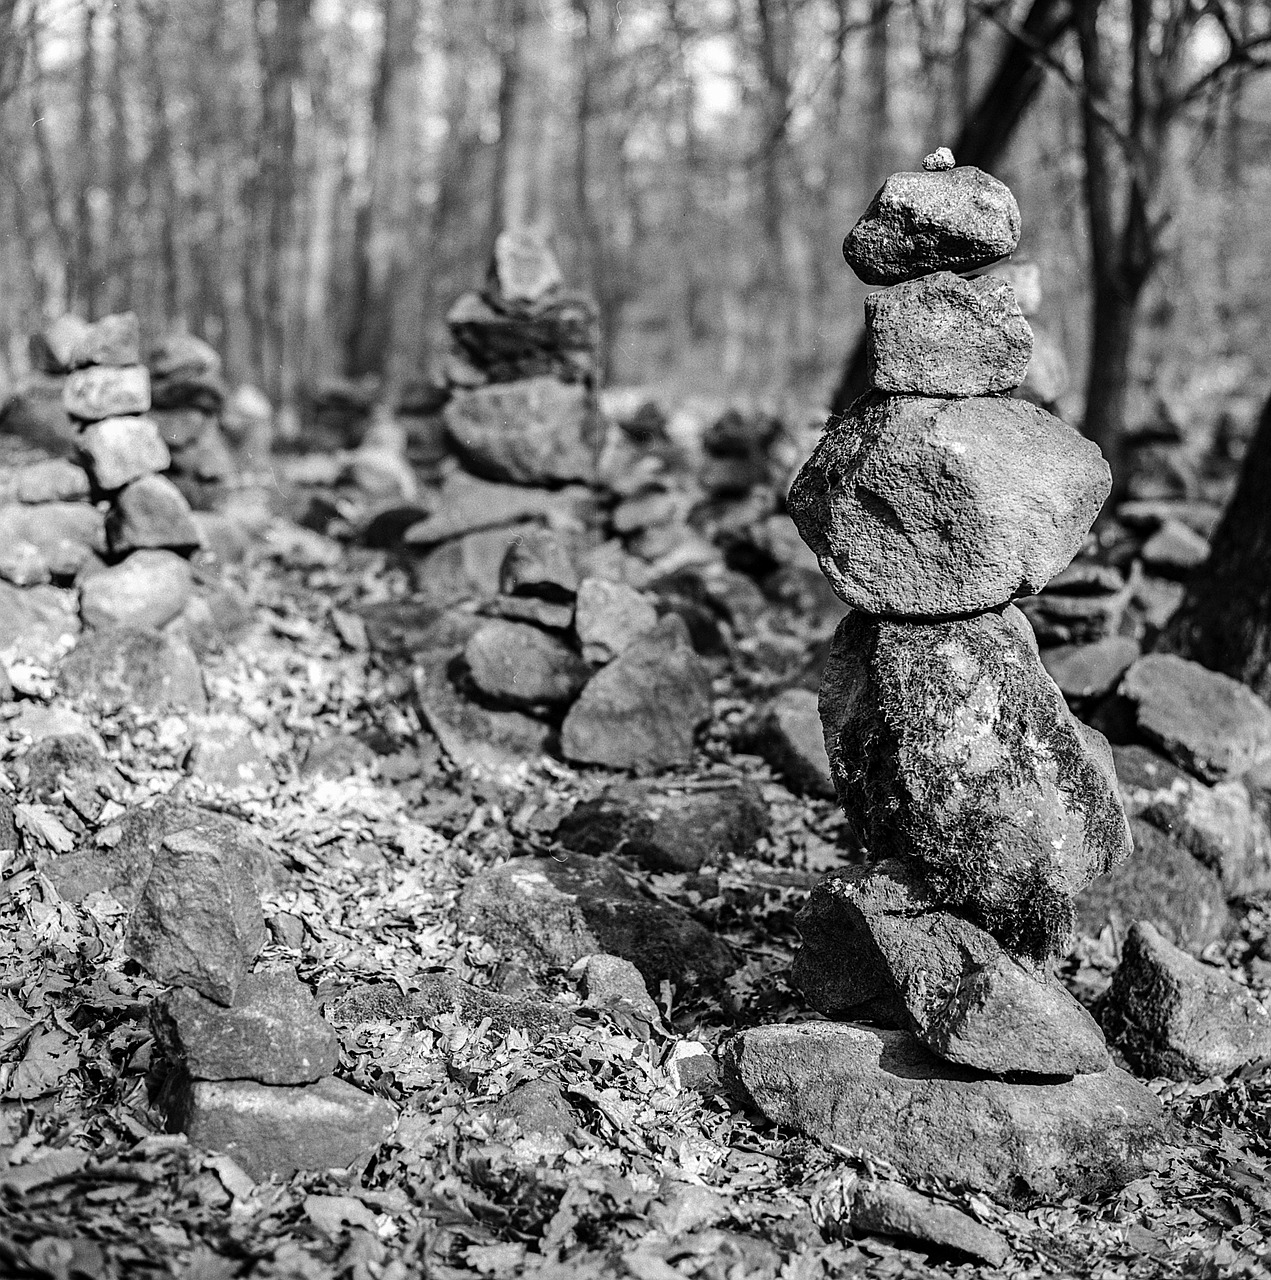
{"x": 946, "y": 336}
{"x": 878, "y": 933}
{"x": 273, "y": 1033}
{"x": 892, "y": 1209}
{"x": 152, "y": 512}
{"x": 147, "y": 590}
{"x": 129, "y": 667}
{"x": 790, "y": 738}
{"x": 277, "y": 1129}
{"x": 884, "y": 1093}
{"x": 956, "y": 220}
{"x": 643, "y": 709}
{"x": 1173, "y": 1016}
{"x": 922, "y": 508}
{"x": 94, "y": 394}
{"x": 519, "y": 665}
{"x": 1084, "y": 671}
{"x": 951, "y": 747}
{"x": 1210, "y": 724}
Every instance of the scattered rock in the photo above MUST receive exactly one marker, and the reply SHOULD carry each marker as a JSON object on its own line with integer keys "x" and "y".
{"x": 518, "y": 665}
{"x": 37, "y": 624}
{"x": 227, "y": 753}
{"x": 921, "y": 508}
{"x": 1173, "y": 1016}
{"x": 148, "y": 589}
{"x": 273, "y": 1033}
{"x": 615, "y": 984}
{"x": 790, "y": 738}
{"x": 151, "y": 512}
{"x": 642, "y": 710}
{"x": 72, "y": 767}
{"x": 946, "y": 336}
{"x": 94, "y": 395}
{"x": 127, "y": 667}
{"x": 1212, "y": 725}
{"x": 845, "y": 1084}
{"x": 891, "y": 1209}
{"x": 609, "y": 617}
{"x": 665, "y": 829}
{"x": 957, "y": 220}
{"x": 336, "y": 756}
{"x": 537, "y": 1107}
{"x": 950, "y": 746}
{"x": 1087, "y": 671}
{"x": 538, "y": 564}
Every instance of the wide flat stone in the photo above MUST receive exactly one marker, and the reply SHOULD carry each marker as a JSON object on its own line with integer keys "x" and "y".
{"x": 951, "y": 747}
{"x": 872, "y": 934}
{"x": 519, "y": 665}
{"x": 956, "y": 220}
{"x": 883, "y": 1093}
{"x": 892, "y": 1209}
{"x": 104, "y": 392}
{"x": 122, "y": 449}
{"x": 923, "y": 508}
{"x": 946, "y": 336}
{"x": 147, "y": 590}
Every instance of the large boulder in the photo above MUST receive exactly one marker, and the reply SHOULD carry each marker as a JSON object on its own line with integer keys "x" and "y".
{"x": 884, "y": 1093}
{"x": 951, "y": 747}
{"x": 923, "y": 508}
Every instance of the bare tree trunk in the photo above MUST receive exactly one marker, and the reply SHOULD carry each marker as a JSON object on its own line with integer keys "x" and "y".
{"x": 511, "y": 28}
{"x": 878, "y": 109}
{"x": 161, "y": 166}
{"x": 119, "y": 278}
{"x": 84, "y": 286}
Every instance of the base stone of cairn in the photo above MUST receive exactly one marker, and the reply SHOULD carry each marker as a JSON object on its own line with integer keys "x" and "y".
{"x": 984, "y": 807}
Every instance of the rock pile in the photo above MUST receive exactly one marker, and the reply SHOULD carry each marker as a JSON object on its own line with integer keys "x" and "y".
{"x": 983, "y": 805}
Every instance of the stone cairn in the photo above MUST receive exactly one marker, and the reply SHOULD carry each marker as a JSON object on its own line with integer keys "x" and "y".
{"x": 983, "y": 804}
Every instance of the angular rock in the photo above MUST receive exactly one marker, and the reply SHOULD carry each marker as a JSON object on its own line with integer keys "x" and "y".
{"x": 536, "y": 431}
{"x": 198, "y": 921}
{"x": 956, "y": 220}
{"x": 537, "y": 1107}
{"x": 1174, "y": 550}
{"x": 922, "y": 508}
{"x": 892, "y": 1209}
{"x": 524, "y": 269}
{"x": 96, "y": 394}
{"x": 59, "y": 346}
{"x": 52, "y": 480}
{"x": 184, "y": 355}
{"x": 1173, "y": 1016}
{"x": 539, "y": 564}
{"x": 112, "y": 340}
{"x": 946, "y": 336}
{"x": 1160, "y": 883}
{"x": 884, "y": 1093}
{"x": 127, "y": 667}
{"x": 151, "y": 512}
{"x": 951, "y": 747}
{"x": 273, "y": 1032}
{"x": 642, "y": 710}
{"x": 518, "y": 665}
{"x": 148, "y": 589}
{"x": 336, "y": 756}
{"x": 276, "y": 1129}
{"x": 122, "y": 449}
{"x": 1086, "y": 671}
{"x": 609, "y": 617}
{"x": 1211, "y": 725}
{"x": 877, "y": 933}
{"x": 554, "y": 914}
{"x": 790, "y": 738}
{"x": 615, "y": 984}
{"x": 665, "y": 829}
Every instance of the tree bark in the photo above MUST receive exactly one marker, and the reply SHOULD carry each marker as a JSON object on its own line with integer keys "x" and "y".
{"x": 84, "y": 281}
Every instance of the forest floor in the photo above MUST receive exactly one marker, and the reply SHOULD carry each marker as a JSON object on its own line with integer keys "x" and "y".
{"x": 657, "y": 1181}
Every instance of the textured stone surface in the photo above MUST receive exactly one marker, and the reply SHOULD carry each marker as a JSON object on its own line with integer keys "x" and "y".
{"x": 70, "y": 767}
{"x": 1210, "y": 724}
{"x": 533, "y": 431}
{"x": 610, "y": 616}
{"x": 51, "y": 480}
{"x": 518, "y": 665}
{"x": 877, "y": 931}
{"x": 148, "y": 589}
{"x": 538, "y": 564}
{"x": 614, "y": 984}
{"x": 884, "y": 1093}
{"x": 946, "y": 336}
{"x": 951, "y": 746}
{"x": 790, "y": 738}
{"x": 121, "y": 449}
{"x": 643, "y": 709}
{"x": 49, "y": 539}
{"x": 277, "y": 1129}
{"x": 922, "y": 508}
{"x": 151, "y": 512}
{"x": 273, "y": 1032}
{"x": 1084, "y": 671}
{"x": 58, "y": 347}
{"x": 112, "y": 340}
{"x": 892, "y": 1209}
{"x": 1173, "y": 1016}
{"x": 130, "y": 668}
{"x": 37, "y": 623}
{"x": 523, "y": 268}
{"x": 958, "y": 220}
{"x": 95, "y": 394}
{"x": 228, "y": 751}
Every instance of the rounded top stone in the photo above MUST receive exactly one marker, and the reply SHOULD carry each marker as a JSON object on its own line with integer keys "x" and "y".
{"x": 939, "y": 160}
{"x": 959, "y": 219}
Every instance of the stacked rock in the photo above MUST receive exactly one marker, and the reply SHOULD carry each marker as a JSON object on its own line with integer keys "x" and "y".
{"x": 983, "y": 805}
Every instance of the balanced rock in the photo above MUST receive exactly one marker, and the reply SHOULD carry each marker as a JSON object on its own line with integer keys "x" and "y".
{"x": 878, "y": 933}
{"x": 1173, "y": 1016}
{"x": 120, "y": 449}
{"x": 105, "y": 392}
{"x": 151, "y": 512}
{"x": 273, "y": 1032}
{"x": 538, "y": 564}
{"x": 954, "y": 220}
{"x": 524, "y": 269}
{"x": 519, "y": 665}
{"x": 112, "y": 340}
{"x": 942, "y": 335}
{"x": 851, "y": 1086}
{"x": 951, "y": 747}
{"x": 148, "y": 589}
{"x": 610, "y": 616}
{"x": 922, "y": 508}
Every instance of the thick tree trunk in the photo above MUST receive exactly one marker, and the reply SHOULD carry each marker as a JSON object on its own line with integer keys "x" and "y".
{"x": 1114, "y": 321}
{"x": 1224, "y": 622}
{"x": 84, "y": 287}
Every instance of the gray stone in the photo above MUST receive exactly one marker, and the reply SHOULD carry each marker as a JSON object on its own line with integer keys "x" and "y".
{"x": 791, "y": 739}
{"x": 536, "y": 431}
{"x": 1025, "y": 279}
{"x": 129, "y": 669}
{"x": 1086, "y": 671}
{"x": 99, "y": 393}
{"x": 336, "y": 756}
{"x": 951, "y": 747}
{"x": 524, "y": 269}
{"x": 181, "y": 429}
{"x": 615, "y": 985}
{"x": 52, "y": 480}
{"x": 49, "y": 539}
{"x": 518, "y": 665}
{"x": 198, "y": 921}
{"x": 957, "y": 220}
{"x": 151, "y": 512}
{"x": 466, "y": 504}
{"x": 121, "y": 449}
{"x": 272, "y": 1033}
{"x": 112, "y": 340}
{"x": 878, "y": 932}
{"x": 37, "y": 624}
{"x": 227, "y": 753}
{"x": 70, "y": 767}
{"x": 892, "y": 1209}
{"x": 924, "y": 508}
{"x": 1173, "y": 1016}
{"x": 536, "y": 1107}
{"x": 273, "y": 1130}
{"x": 1081, "y": 604}
{"x": 946, "y": 336}
{"x": 1210, "y": 724}
{"x": 642, "y": 710}
{"x": 148, "y": 589}
{"x": 884, "y": 1093}
{"x": 609, "y": 617}
{"x": 542, "y": 613}
{"x": 539, "y": 564}
{"x": 1174, "y": 550}
{"x": 1048, "y": 375}
{"x": 59, "y": 346}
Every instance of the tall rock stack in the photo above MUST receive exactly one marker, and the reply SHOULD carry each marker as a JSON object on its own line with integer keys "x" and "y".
{"x": 983, "y": 805}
